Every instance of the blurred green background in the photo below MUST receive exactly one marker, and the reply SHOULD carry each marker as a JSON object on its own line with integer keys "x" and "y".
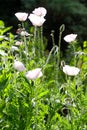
{"x": 71, "y": 13}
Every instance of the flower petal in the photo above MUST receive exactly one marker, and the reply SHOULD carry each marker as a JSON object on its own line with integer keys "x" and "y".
{"x": 21, "y": 16}
{"x": 18, "y": 66}
{"x": 41, "y": 11}
{"x": 70, "y": 37}
{"x": 33, "y": 74}
{"x": 36, "y": 20}
{"x": 70, "y": 70}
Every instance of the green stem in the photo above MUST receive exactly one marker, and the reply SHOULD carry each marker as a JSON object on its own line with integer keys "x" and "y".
{"x": 74, "y": 53}
{"x": 62, "y": 27}
{"x": 52, "y": 35}
{"x": 34, "y": 41}
{"x": 23, "y": 25}
{"x": 41, "y": 32}
{"x": 48, "y": 58}
{"x": 39, "y": 49}
{"x": 25, "y": 42}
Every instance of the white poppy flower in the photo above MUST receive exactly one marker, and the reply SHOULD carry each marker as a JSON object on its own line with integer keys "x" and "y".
{"x": 21, "y": 16}
{"x": 36, "y": 20}
{"x": 18, "y": 66}
{"x": 70, "y": 37}
{"x": 33, "y": 74}
{"x": 41, "y": 11}
{"x": 70, "y": 70}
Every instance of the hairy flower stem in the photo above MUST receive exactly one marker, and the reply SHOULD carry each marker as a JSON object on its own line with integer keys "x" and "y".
{"x": 41, "y": 31}
{"x": 41, "y": 37}
{"x": 26, "y": 49}
{"x": 39, "y": 43}
{"x": 25, "y": 43}
{"x": 61, "y": 29}
{"x": 23, "y": 26}
{"x": 52, "y": 35}
{"x": 48, "y": 58}
{"x": 54, "y": 58}
{"x": 34, "y": 41}
{"x": 74, "y": 54}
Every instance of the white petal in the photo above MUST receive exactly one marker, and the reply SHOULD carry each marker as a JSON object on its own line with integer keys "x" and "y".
{"x": 36, "y": 20}
{"x": 70, "y": 70}
{"x": 18, "y": 66}
{"x": 41, "y": 11}
{"x": 21, "y": 16}
{"x": 33, "y": 74}
{"x": 70, "y": 37}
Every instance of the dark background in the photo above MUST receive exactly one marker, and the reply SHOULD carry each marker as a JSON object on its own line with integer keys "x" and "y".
{"x": 71, "y": 13}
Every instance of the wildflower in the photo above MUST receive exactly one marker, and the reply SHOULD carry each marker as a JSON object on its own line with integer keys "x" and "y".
{"x": 33, "y": 74}
{"x": 41, "y": 11}
{"x": 36, "y": 20}
{"x": 21, "y": 16}
{"x": 18, "y": 66}
{"x": 70, "y": 70}
{"x": 70, "y": 37}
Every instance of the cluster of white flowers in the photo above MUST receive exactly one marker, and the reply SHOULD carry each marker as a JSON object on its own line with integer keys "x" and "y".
{"x": 31, "y": 75}
{"x": 37, "y": 73}
{"x": 70, "y": 70}
{"x": 36, "y": 17}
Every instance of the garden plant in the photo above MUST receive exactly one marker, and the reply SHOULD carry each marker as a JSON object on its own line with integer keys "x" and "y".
{"x": 41, "y": 89}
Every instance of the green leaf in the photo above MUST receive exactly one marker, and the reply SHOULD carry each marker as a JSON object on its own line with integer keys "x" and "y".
{"x": 43, "y": 94}
{"x": 3, "y": 82}
{"x": 6, "y": 30}
{"x": 2, "y": 25}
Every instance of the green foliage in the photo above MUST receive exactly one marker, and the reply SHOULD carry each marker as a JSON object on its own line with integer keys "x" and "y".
{"x": 28, "y": 4}
{"x": 67, "y": 6}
